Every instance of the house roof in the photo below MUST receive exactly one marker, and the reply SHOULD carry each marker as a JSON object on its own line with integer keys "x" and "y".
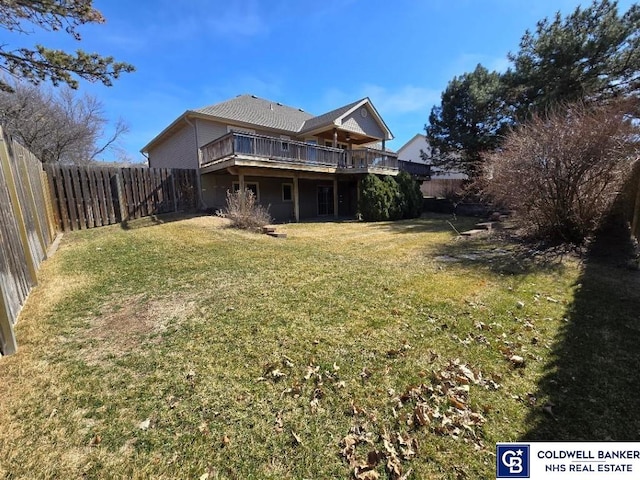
{"x": 254, "y": 111}
{"x": 335, "y": 117}
{"x": 330, "y": 117}
{"x": 419, "y": 138}
{"x": 259, "y": 112}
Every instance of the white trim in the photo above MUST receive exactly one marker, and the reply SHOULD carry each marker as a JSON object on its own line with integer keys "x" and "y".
{"x": 232, "y": 128}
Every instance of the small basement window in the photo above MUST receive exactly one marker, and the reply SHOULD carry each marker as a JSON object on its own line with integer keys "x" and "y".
{"x": 253, "y": 186}
{"x": 287, "y": 192}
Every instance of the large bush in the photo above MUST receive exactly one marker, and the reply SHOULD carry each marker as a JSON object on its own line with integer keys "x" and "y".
{"x": 389, "y": 198}
{"x": 244, "y": 211}
{"x": 397, "y": 200}
{"x": 376, "y": 199}
{"x": 561, "y": 172}
{"x": 411, "y": 195}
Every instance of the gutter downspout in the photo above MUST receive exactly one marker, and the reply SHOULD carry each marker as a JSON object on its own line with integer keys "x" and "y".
{"x": 201, "y": 204}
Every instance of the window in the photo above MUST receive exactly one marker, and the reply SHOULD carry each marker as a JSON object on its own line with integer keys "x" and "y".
{"x": 253, "y": 186}
{"x": 287, "y": 192}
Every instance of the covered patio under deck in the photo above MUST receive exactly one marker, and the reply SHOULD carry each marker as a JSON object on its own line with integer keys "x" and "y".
{"x": 291, "y": 195}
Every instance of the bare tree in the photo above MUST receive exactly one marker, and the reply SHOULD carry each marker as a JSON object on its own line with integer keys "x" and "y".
{"x": 562, "y": 171}
{"x": 60, "y": 127}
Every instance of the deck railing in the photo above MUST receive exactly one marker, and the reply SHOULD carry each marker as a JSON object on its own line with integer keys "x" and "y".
{"x": 371, "y": 157}
{"x": 282, "y": 150}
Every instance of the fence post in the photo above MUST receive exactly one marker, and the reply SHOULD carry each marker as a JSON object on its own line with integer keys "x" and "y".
{"x": 55, "y": 224}
{"x": 121, "y": 201}
{"x": 174, "y": 192}
{"x": 30, "y": 198}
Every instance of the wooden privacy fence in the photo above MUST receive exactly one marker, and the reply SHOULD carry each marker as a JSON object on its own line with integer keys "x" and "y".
{"x": 27, "y": 229}
{"x": 87, "y": 196}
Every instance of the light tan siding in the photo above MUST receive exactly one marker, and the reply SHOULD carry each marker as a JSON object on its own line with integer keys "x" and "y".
{"x": 364, "y": 125}
{"x": 176, "y": 151}
{"x": 214, "y": 190}
{"x": 209, "y": 131}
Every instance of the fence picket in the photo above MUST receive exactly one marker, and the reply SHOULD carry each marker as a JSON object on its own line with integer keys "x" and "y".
{"x": 38, "y": 200}
{"x": 91, "y": 196}
{"x": 26, "y": 230}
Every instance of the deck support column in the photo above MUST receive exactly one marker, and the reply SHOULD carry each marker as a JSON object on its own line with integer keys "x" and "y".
{"x": 296, "y": 199}
{"x": 241, "y": 186}
{"x": 384, "y": 156}
{"x": 335, "y": 138}
{"x": 335, "y": 197}
{"x": 241, "y": 181}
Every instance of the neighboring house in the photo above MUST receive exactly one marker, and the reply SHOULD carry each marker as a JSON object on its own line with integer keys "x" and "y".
{"x": 442, "y": 181}
{"x": 298, "y": 164}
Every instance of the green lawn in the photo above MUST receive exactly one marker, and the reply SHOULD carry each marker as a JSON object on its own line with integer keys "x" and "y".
{"x": 182, "y": 349}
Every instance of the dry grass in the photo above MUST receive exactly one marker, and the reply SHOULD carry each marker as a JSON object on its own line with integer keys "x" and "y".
{"x": 184, "y": 349}
{"x": 122, "y": 325}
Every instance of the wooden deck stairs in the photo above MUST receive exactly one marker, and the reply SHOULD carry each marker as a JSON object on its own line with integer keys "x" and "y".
{"x": 271, "y": 230}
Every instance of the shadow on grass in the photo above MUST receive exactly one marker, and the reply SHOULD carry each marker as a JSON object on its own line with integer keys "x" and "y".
{"x": 430, "y": 223}
{"x": 501, "y": 254}
{"x": 592, "y": 380}
{"x": 152, "y": 220}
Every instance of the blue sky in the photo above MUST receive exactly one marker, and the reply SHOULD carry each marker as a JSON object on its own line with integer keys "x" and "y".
{"x": 311, "y": 55}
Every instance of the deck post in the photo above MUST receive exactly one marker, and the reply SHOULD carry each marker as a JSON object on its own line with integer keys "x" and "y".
{"x": 384, "y": 155}
{"x": 335, "y": 138}
{"x": 296, "y": 199}
{"x": 241, "y": 181}
{"x": 335, "y": 197}
{"x": 241, "y": 188}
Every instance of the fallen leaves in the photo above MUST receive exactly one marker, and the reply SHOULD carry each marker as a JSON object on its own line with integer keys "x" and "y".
{"x": 95, "y": 441}
{"x": 388, "y": 449}
{"x": 296, "y": 438}
{"x": 145, "y": 424}
{"x": 441, "y": 406}
{"x": 517, "y": 361}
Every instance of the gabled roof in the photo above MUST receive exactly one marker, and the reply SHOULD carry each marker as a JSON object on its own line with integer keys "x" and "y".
{"x": 254, "y": 111}
{"x": 329, "y": 118}
{"x": 259, "y": 112}
{"x": 335, "y": 117}
{"x": 418, "y": 137}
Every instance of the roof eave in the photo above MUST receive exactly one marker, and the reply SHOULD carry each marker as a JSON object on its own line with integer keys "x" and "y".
{"x": 367, "y": 100}
{"x": 166, "y": 130}
{"x": 360, "y": 104}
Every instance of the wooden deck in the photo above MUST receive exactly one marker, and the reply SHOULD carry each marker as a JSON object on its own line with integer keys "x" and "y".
{"x": 241, "y": 149}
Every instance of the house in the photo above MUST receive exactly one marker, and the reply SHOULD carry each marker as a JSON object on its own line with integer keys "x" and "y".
{"x": 298, "y": 164}
{"x": 441, "y": 181}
